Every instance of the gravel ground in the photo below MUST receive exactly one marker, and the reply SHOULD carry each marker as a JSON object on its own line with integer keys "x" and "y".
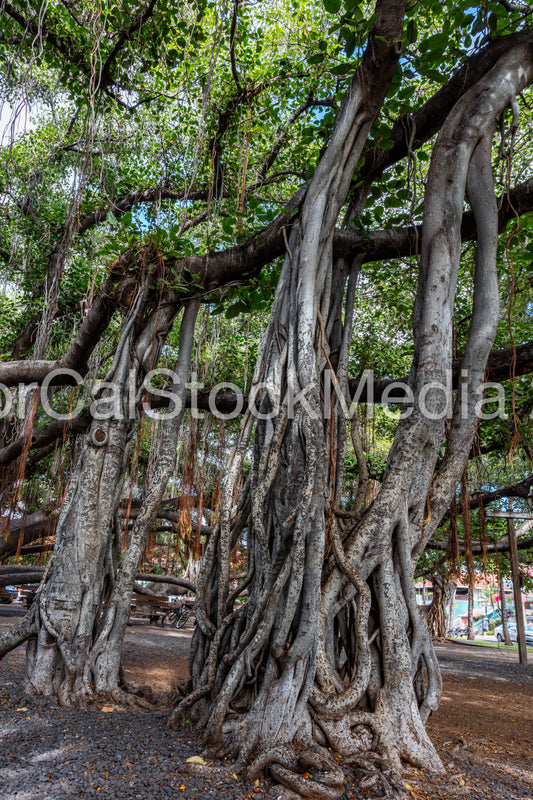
{"x": 50, "y": 753}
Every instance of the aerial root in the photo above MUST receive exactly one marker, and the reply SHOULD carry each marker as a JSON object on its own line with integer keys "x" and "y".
{"x": 181, "y": 690}
{"x": 178, "y": 715}
{"x": 19, "y": 633}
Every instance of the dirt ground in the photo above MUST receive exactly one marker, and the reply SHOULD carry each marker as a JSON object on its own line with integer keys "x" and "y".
{"x": 483, "y": 728}
{"x": 483, "y": 731}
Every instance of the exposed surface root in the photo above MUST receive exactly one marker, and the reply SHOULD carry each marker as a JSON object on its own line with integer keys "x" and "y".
{"x": 133, "y": 698}
{"x": 128, "y": 695}
{"x": 311, "y": 774}
{"x": 282, "y": 793}
{"x": 317, "y": 787}
{"x": 376, "y": 775}
{"x": 276, "y": 755}
{"x": 206, "y": 770}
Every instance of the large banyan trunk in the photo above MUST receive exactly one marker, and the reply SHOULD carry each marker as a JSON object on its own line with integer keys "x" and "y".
{"x": 328, "y": 647}
{"x": 77, "y": 621}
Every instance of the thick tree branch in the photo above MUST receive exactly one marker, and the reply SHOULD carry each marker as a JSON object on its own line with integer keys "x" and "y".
{"x": 502, "y": 545}
{"x": 94, "y": 324}
{"x": 499, "y": 368}
{"x": 106, "y": 77}
{"x": 521, "y": 489}
{"x": 428, "y": 119}
{"x": 126, "y": 203}
{"x": 403, "y": 242}
{"x": 26, "y": 530}
{"x": 14, "y": 573}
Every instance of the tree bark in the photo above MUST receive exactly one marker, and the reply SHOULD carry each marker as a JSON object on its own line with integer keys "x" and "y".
{"x": 80, "y": 611}
{"x": 363, "y": 674}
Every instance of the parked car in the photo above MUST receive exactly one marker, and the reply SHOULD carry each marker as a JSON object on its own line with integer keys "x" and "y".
{"x": 513, "y": 633}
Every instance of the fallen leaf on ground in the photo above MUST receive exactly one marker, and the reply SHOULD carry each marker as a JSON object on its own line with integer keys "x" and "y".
{"x": 197, "y": 760}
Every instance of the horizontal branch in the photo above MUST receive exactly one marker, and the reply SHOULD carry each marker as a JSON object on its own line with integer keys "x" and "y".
{"x": 121, "y": 205}
{"x": 521, "y": 489}
{"x": 404, "y": 242}
{"x": 428, "y": 119}
{"x": 499, "y": 368}
{"x": 25, "y": 530}
{"x": 477, "y": 548}
{"x": 241, "y": 263}
{"x": 16, "y": 574}
{"x": 95, "y": 322}
{"x": 52, "y": 433}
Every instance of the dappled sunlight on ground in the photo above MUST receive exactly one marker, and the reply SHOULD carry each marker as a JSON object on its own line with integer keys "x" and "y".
{"x": 482, "y": 730}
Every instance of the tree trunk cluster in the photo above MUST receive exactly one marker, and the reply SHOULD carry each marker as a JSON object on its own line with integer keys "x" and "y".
{"x": 322, "y": 645}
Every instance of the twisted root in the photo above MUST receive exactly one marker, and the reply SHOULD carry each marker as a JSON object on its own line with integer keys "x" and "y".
{"x": 322, "y": 786}
{"x": 312, "y": 774}
{"x": 132, "y": 698}
{"x": 375, "y": 774}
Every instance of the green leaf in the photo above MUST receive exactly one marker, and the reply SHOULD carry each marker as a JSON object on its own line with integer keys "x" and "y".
{"x": 342, "y": 69}
{"x": 332, "y": 6}
{"x": 411, "y": 32}
{"x": 436, "y": 43}
{"x": 236, "y": 309}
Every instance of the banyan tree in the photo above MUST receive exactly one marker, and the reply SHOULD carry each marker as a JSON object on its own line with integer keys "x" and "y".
{"x": 319, "y": 647}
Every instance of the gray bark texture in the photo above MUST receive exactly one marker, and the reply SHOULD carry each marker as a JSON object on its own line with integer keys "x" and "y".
{"x": 322, "y": 645}
{"x": 77, "y": 622}
{"x": 329, "y": 649}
